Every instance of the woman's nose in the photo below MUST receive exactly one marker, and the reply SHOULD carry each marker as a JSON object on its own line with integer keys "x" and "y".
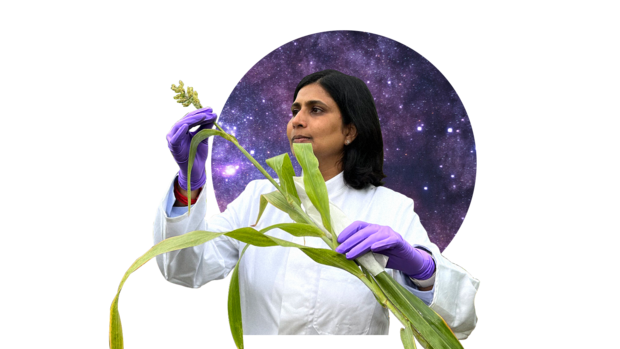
{"x": 299, "y": 120}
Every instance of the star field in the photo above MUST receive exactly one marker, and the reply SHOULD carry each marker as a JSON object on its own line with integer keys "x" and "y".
{"x": 429, "y": 147}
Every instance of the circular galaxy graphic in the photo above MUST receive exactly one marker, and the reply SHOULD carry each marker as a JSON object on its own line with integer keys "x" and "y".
{"x": 429, "y": 147}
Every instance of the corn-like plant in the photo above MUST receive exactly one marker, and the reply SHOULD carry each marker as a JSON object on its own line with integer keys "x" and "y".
{"x": 320, "y": 219}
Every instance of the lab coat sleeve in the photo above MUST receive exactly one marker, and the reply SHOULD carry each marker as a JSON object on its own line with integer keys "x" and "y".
{"x": 195, "y": 266}
{"x": 454, "y": 289}
{"x": 405, "y": 281}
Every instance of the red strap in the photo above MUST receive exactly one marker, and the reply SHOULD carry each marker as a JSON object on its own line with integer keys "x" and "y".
{"x": 182, "y": 198}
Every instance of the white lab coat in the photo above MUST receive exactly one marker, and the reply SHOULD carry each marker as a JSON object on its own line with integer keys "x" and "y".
{"x": 285, "y": 292}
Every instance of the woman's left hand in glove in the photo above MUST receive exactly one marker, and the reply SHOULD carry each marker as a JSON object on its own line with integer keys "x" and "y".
{"x": 361, "y": 237}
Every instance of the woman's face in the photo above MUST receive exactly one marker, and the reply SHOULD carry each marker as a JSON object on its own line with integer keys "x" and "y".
{"x": 317, "y": 120}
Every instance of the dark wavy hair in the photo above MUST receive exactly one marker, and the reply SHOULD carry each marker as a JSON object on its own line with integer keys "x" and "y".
{"x": 362, "y": 161}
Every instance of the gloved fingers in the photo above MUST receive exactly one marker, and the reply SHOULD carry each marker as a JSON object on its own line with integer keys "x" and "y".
{"x": 365, "y": 246}
{"x": 361, "y": 248}
{"x": 352, "y": 240}
{"x": 365, "y": 238}
{"x": 382, "y": 240}
{"x": 353, "y": 228}
{"x": 210, "y": 116}
{"x": 175, "y": 139}
{"x": 193, "y": 120}
{"x": 204, "y": 126}
{"x": 385, "y": 244}
{"x": 207, "y": 116}
{"x": 196, "y": 117}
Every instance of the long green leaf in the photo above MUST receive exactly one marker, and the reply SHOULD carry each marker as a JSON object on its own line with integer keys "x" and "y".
{"x": 249, "y": 236}
{"x": 428, "y": 324}
{"x": 234, "y": 305}
{"x": 172, "y": 244}
{"x": 116, "y": 330}
{"x": 199, "y": 137}
{"x": 314, "y": 183}
{"x": 278, "y": 200}
{"x": 320, "y": 255}
{"x": 284, "y": 168}
{"x": 324, "y": 256}
{"x": 298, "y": 229}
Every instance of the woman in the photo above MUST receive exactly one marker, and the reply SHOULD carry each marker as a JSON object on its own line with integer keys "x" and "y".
{"x": 283, "y": 291}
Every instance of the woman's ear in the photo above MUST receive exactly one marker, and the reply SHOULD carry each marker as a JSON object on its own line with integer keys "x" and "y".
{"x": 350, "y": 132}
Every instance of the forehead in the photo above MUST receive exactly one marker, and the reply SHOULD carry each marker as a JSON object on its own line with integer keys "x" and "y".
{"x": 313, "y": 91}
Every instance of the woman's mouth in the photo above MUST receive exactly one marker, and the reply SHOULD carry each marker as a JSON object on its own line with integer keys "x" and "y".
{"x": 301, "y": 139}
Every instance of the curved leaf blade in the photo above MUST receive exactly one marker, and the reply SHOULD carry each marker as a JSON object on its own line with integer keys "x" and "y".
{"x": 172, "y": 244}
{"x": 298, "y": 229}
{"x": 116, "y": 330}
{"x": 261, "y": 208}
{"x": 284, "y": 168}
{"x": 234, "y": 305}
{"x": 314, "y": 183}
{"x": 248, "y": 235}
{"x": 324, "y": 256}
{"x": 278, "y": 200}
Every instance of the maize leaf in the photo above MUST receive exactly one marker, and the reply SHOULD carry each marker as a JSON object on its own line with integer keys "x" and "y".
{"x": 234, "y": 305}
{"x": 278, "y": 200}
{"x": 248, "y": 235}
{"x": 325, "y": 256}
{"x": 117, "y": 340}
{"x": 116, "y": 330}
{"x": 299, "y": 229}
{"x": 314, "y": 183}
{"x": 429, "y": 325}
{"x": 284, "y": 168}
{"x": 261, "y": 208}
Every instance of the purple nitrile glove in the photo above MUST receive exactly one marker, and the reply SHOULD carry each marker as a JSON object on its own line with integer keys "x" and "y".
{"x": 361, "y": 237}
{"x": 179, "y": 140}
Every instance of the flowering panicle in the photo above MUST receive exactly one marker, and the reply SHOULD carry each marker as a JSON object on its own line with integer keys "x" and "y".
{"x": 191, "y": 97}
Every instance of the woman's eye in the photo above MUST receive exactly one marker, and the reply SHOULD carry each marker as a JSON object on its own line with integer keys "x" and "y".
{"x": 313, "y": 110}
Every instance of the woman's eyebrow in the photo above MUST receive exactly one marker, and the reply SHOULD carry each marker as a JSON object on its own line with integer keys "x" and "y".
{"x": 311, "y": 102}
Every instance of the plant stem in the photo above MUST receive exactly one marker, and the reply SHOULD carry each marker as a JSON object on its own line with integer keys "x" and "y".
{"x": 254, "y": 162}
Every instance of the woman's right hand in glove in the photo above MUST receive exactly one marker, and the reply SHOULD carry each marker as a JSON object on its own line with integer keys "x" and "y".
{"x": 179, "y": 139}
